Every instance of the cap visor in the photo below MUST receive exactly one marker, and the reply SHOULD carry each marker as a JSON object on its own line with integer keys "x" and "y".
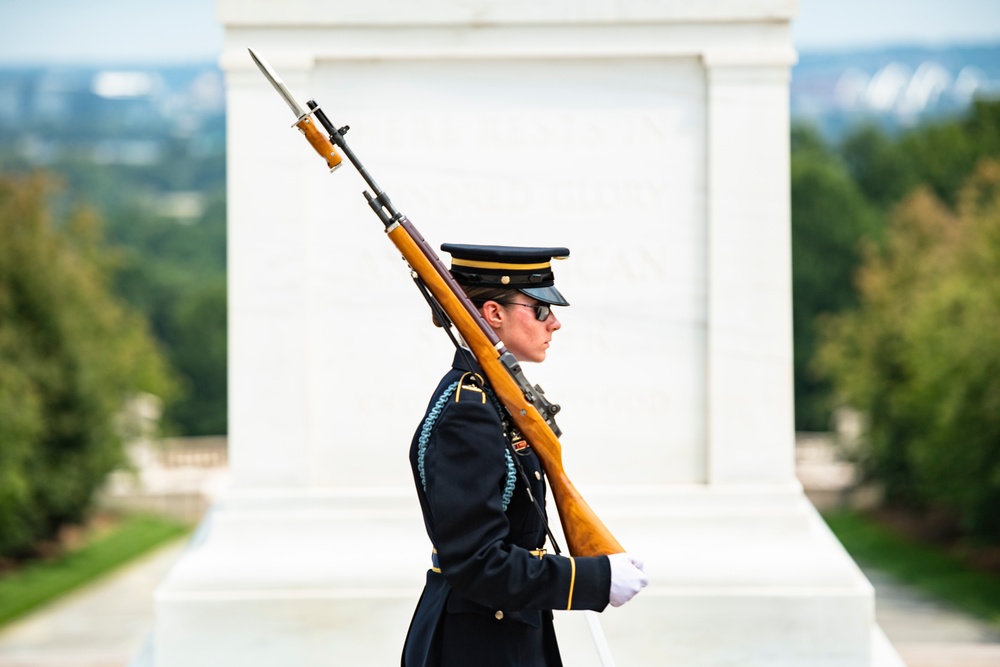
{"x": 549, "y": 295}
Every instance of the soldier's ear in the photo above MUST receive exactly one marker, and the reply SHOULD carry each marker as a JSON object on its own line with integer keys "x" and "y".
{"x": 493, "y": 313}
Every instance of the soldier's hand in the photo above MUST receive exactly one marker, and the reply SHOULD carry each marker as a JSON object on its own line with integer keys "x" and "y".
{"x": 627, "y": 578}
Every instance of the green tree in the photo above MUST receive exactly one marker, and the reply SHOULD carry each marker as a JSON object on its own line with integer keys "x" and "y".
{"x": 175, "y": 274}
{"x": 939, "y": 155}
{"x": 882, "y": 171}
{"x": 830, "y": 217}
{"x": 197, "y": 328}
{"x": 921, "y": 355}
{"x": 70, "y": 355}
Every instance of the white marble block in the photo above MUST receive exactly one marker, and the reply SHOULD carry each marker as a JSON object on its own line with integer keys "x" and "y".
{"x": 649, "y": 137}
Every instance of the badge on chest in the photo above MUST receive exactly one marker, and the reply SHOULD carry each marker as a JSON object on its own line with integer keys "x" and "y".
{"x": 518, "y": 443}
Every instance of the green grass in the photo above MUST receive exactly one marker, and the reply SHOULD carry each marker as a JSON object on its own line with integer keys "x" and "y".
{"x": 25, "y": 589}
{"x": 930, "y": 569}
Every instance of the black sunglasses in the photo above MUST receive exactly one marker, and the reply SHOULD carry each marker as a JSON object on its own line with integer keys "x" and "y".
{"x": 542, "y": 311}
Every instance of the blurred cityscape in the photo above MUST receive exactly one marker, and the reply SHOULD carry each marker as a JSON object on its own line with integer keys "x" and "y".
{"x": 66, "y": 118}
{"x": 894, "y": 88}
{"x": 149, "y": 127}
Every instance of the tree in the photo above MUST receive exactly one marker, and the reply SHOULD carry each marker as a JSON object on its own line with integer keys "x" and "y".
{"x": 71, "y": 355}
{"x": 198, "y": 331}
{"x": 940, "y": 155}
{"x": 881, "y": 170}
{"x": 921, "y": 355}
{"x": 830, "y": 217}
{"x": 175, "y": 275}
{"x": 840, "y": 198}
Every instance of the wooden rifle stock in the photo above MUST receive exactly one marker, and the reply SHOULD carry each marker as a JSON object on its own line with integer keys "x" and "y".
{"x": 585, "y": 534}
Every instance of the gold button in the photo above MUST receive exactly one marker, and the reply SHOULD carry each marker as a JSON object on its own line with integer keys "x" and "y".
{"x": 538, "y": 475}
{"x": 499, "y": 615}
{"x": 505, "y": 280}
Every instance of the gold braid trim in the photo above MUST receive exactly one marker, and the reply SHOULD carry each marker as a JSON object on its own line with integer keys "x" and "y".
{"x": 572, "y": 582}
{"x": 514, "y": 266}
{"x": 471, "y": 386}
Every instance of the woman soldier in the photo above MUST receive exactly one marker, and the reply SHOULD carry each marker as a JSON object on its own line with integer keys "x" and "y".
{"x": 491, "y": 590}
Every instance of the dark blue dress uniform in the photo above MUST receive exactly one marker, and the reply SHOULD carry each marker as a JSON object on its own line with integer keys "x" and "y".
{"x": 489, "y": 595}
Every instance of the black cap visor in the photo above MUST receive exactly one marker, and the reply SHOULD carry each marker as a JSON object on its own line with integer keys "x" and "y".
{"x": 549, "y": 295}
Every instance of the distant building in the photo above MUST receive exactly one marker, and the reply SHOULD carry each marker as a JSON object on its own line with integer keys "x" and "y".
{"x": 895, "y": 88}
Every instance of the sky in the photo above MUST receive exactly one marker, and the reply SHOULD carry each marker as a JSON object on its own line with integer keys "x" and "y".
{"x": 184, "y": 31}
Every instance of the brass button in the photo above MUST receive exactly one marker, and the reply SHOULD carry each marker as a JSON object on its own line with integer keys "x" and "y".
{"x": 505, "y": 280}
{"x": 499, "y": 615}
{"x": 538, "y": 475}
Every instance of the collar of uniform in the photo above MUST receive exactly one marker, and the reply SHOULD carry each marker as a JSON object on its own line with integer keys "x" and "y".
{"x": 466, "y": 361}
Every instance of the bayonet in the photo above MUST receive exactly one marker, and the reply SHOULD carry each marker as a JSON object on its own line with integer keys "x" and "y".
{"x": 279, "y": 85}
{"x": 303, "y": 118}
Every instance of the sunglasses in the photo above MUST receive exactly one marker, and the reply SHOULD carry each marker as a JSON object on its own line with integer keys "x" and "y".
{"x": 542, "y": 311}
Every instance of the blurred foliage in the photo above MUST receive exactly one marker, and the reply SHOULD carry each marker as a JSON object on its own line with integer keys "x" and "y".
{"x": 166, "y": 262}
{"x": 841, "y": 198}
{"x": 830, "y": 215}
{"x": 71, "y": 354}
{"x": 920, "y": 356}
{"x": 939, "y": 155}
{"x": 197, "y": 329}
{"x": 174, "y": 273}
{"x": 166, "y": 269}
{"x": 896, "y": 258}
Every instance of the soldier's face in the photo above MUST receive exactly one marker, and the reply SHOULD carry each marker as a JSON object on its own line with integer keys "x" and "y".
{"x": 517, "y": 325}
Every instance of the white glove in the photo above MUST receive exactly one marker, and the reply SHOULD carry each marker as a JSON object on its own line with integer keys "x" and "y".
{"x": 627, "y": 578}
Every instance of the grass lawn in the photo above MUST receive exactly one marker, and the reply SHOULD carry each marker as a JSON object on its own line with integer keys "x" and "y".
{"x": 936, "y": 572}
{"x": 24, "y": 589}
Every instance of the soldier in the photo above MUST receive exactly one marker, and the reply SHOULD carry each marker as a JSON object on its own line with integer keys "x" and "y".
{"x": 490, "y": 592}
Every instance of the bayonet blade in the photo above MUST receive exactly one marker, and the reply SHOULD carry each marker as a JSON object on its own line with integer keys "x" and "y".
{"x": 279, "y": 85}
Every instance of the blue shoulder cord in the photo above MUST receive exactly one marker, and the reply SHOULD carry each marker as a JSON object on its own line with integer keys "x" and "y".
{"x": 428, "y": 427}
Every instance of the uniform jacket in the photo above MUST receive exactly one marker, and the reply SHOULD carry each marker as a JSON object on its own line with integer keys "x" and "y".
{"x": 488, "y": 599}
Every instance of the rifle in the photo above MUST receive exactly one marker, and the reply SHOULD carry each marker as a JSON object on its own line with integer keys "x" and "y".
{"x": 533, "y": 414}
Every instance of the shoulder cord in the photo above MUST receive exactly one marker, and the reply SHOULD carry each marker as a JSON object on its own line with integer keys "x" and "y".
{"x": 428, "y": 428}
